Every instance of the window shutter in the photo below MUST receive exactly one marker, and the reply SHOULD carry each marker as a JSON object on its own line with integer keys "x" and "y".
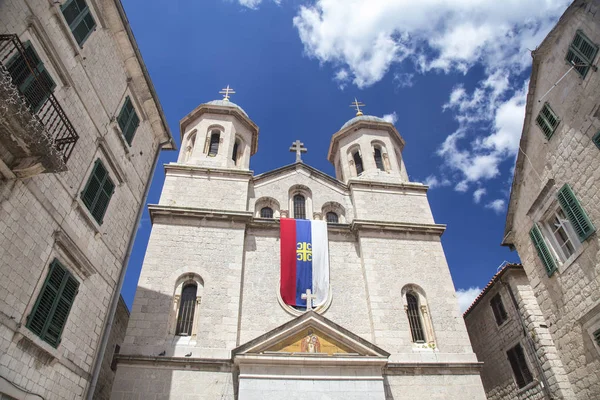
{"x": 547, "y": 121}
{"x": 542, "y": 249}
{"x": 98, "y": 192}
{"x": 576, "y": 214}
{"x": 596, "y": 139}
{"x": 597, "y": 337}
{"x": 52, "y": 307}
{"x": 128, "y": 120}
{"x": 80, "y": 20}
{"x": 581, "y": 51}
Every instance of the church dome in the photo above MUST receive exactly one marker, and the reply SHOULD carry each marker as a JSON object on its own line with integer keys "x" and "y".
{"x": 370, "y": 118}
{"x": 227, "y": 103}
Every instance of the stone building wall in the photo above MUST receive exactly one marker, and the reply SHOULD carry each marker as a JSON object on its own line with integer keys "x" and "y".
{"x": 43, "y": 217}
{"x": 570, "y": 298}
{"x": 115, "y": 341}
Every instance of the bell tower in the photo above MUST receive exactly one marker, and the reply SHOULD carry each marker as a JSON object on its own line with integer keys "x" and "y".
{"x": 367, "y": 148}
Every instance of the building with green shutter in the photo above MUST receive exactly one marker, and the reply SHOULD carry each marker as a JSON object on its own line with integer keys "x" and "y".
{"x": 81, "y": 128}
{"x": 554, "y": 208}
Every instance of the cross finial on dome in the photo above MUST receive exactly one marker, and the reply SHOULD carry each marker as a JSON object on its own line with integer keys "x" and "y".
{"x": 357, "y": 104}
{"x": 226, "y": 92}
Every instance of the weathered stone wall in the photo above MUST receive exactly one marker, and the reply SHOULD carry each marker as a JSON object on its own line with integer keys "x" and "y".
{"x": 570, "y": 298}
{"x": 91, "y": 84}
{"x": 434, "y": 386}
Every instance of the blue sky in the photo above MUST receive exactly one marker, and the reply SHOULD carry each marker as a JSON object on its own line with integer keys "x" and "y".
{"x": 452, "y": 76}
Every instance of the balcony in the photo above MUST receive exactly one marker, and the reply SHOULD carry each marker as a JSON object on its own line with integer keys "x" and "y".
{"x": 35, "y": 134}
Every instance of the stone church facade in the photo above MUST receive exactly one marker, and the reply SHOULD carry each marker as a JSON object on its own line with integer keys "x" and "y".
{"x": 208, "y": 321}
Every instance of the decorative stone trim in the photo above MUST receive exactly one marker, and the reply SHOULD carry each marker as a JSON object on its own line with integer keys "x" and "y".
{"x": 67, "y": 247}
{"x": 428, "y": 229}
{"x": 204, "y": 364}
{"x": 198, "y": 213}
{"x": 194, "y": 170}
{"x": 112, "y": 161}
{"x": 434, "y": 368}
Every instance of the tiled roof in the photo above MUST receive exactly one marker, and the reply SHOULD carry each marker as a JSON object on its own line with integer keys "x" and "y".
{"x": 491, "y": 283}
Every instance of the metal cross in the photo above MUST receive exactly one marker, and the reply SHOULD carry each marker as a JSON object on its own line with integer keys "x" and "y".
{"x": 357, "y": 104}
{"x": 299, "y": 148}
{"x": 309, "y": 298}
{"x": 226, "y": 92}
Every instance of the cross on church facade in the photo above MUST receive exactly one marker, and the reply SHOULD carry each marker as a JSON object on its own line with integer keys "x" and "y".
{"x": 309, "y": 299}
{"x": 299, "y": 148}
{"x": 226, "y": 92}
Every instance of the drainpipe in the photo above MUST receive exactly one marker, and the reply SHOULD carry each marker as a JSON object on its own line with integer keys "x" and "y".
{"x": 530, "y": 344}
{"x": 115, "y": 300}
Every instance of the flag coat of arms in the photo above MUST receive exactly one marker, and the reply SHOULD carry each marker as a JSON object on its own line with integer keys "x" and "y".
{"x": 304, "y": 261}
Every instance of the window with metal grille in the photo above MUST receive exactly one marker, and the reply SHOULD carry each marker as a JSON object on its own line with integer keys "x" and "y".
{"x": 498, "y": 308}
{"x": 414, "y": 318}
{"x": 332, "y": 217}
{"x": 128, "y": 120}
{"x": 234, "y": 155}
{"x": 547, "y": 121}
{"x": 266, "y": 212}
{"x": 299, "y": 207}
{"x": 378, "y": 159}
{"x": 98, "y": 191}
{"x": 213, "y": 149}
{"x": 80, "y": 19}
{"x": 358, "y": 163}
{"x": 51, "y": 310}
{"x": 596, "y": 139}
{"x": 185, "y": 319}
{"x": 30, "y": 76}
{"x": 521, "y": 371}
{"x": 581, "y": 53}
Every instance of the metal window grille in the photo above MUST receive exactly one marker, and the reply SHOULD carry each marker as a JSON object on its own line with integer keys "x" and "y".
{"x": 358, "y": 163}
{"x": 378, "y": 159}
{"x": 234, "y": 155}
{"x": 581, "y": 53}
{"x": 332, "y": 217}
{"x": 185, "y": 319}
{"x": 547, "y": 121}
{"x": 52, "y": 307}
{"x": 215, "y": 137}
{"x": 521, "y": 371}
{"x": 80, "y": 19}
{"x": 299, "y": 207}
{"x": 98, "y": 191}
{"x": 498, "y": 308}
{"x": 128, "y": 120}
{"x": 266, "y": 212}
{"x": 414, "y": 318}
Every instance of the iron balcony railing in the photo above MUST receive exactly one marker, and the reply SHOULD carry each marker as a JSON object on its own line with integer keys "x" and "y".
{"x": 36, "y": 87}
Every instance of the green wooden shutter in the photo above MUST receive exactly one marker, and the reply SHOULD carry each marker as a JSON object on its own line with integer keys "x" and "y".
{"x": 80, "y": 19}
{"x": 542, "y": 249}
{"x": 582, "y": 51}
{"x": 547, "y": 121}
{"x": 576, "y": 214}
{"x": 128, "y": 120}
{"x": 98, "y": 191}
{"x": 52, "y": 307}
{"x": 596, "y": 139}
{"x": 597, "y": 337}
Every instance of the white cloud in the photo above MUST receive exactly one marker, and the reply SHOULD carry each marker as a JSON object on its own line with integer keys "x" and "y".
{"x": 478, "y": 194}
{"x": 391, "y": 118}
{"x": 367, "y": 38}
{"x": 253, "y": 4}
{"x": 342, "y": 77}
{"x": 466, "y": 297}
{"x": 497, "y": 205}
{"x": 432, "y": 181}
{"x": 403, "y": 79}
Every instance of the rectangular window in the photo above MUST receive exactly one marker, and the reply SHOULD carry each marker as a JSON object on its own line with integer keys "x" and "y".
{"x": 52, "y": 307}
{"x": 547, "y": 121}
{"x": 80, "y": 19}
{"x": 31, "y": 77}
{"x": 581, "y": 53}
{"x": 521, "y": 371}
{"x": 596, "y": 139}
{"x": 128, "y": 120}
{"x": 597, "y": 337}
{"x": 576, "y": 214}
{"x": 98, "y": 191}
{"x": 498, "y": 308}
{"x": 542, "y": 249}
{"x": 561, "y": 234}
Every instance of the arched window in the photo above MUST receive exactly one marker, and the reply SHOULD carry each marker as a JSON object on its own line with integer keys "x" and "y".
{"x": 378, "y": 159}
{"x": 358, "y": 163}
{"x": 213, "y": 148}
{"x": 332, "y": 217}
{"x": 185, "y": 318}
{"x": 266, "y": 212}
{"x": 299, "y": 207}
{"x": 236, "y": 148}
{"x": 414, "y": 318}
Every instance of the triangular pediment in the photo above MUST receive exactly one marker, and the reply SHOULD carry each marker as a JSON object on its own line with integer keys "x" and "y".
{"x": 311, "y": 334}
{"x": 300, "y": 167}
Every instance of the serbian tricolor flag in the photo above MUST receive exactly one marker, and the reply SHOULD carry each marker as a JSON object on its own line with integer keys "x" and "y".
{"x": 304, "y": 261}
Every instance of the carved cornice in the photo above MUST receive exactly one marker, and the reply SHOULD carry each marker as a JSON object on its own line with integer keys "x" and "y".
{"x": 196, "y": 170}
{"x": 428, "y": 229}
{"x": 77, "y": 257}
{"x": 399, "y": 186}
{"x": 433, "y": 368}
{"x": 207, "y": 364}
{"x": 156, "y": 210}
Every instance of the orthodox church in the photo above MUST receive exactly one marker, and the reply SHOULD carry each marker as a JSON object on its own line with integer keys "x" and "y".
{"x": 213, "y": 317}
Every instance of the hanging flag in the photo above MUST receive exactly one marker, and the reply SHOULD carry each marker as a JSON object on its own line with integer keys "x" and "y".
{"x": 304, "y": 261}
